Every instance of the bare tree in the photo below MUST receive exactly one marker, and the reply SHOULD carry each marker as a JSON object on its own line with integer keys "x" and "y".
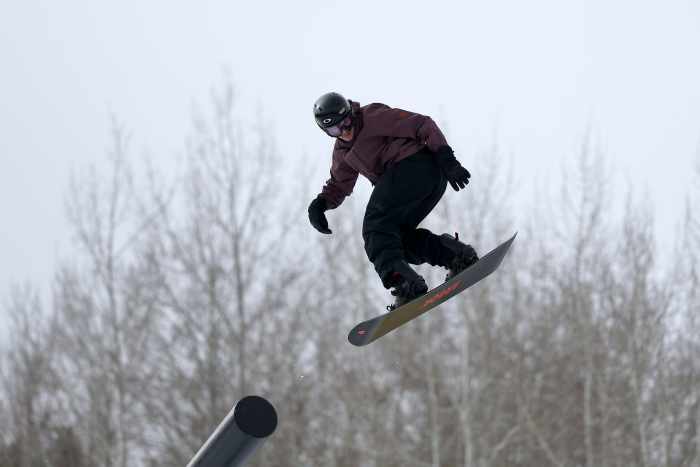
{"x": 28, "y": 382}
{"x": 226, "y": 285}
{"x": 104, "y": 321}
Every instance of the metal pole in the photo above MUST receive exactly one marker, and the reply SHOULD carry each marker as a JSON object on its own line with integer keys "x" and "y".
{"x": 242, "y": 431}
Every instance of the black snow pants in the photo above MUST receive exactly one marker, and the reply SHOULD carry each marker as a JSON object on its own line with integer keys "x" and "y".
{"x": 404, "y": 195}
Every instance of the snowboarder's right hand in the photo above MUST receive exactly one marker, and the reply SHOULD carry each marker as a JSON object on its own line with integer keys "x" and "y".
{"x": 457, "y": 175}
{"x": 316, "y": 215}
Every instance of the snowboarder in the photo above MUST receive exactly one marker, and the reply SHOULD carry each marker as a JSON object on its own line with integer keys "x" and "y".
{"x": 408, "y": 161}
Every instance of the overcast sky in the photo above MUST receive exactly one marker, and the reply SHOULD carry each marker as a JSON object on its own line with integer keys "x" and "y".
{"x": 532, "y": 75}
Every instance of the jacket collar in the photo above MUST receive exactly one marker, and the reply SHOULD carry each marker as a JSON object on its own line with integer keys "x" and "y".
{"x": 357, "y": 124}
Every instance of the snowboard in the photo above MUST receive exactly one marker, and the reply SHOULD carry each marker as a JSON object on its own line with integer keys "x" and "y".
{"x": 372, "y": 329}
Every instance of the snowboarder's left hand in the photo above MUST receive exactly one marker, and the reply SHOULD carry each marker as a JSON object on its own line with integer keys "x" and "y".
{"x": 316, "y": 215}
{"x": 457, "y": 175}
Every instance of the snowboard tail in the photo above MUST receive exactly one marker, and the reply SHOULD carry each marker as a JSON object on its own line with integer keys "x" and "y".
{"x": 372, "y": 329}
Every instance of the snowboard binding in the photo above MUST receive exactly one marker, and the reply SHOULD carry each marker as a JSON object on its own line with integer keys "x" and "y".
{"x": 407, "y": 284}
{"x": 464, "y": 255}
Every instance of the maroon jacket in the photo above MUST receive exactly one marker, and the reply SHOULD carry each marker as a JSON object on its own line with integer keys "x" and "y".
{"x": 383, "y": 136}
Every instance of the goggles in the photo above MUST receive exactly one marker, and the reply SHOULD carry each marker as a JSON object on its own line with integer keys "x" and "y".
{"x": 337, "y": 129}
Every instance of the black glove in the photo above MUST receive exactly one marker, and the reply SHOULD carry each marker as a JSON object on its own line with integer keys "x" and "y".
{"x": 457, "y": 175}
{"x": 316, "y": 215}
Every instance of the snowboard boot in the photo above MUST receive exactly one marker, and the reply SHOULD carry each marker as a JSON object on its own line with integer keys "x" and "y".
{"x": 464, "y": 255}
{"x": 407, "y": 284}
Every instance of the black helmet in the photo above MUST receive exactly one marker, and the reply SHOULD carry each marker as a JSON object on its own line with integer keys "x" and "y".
{"x": 330, "y": 109}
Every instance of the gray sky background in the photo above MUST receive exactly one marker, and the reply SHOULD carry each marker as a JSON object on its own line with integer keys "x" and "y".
{"x": 530, "y": 75}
